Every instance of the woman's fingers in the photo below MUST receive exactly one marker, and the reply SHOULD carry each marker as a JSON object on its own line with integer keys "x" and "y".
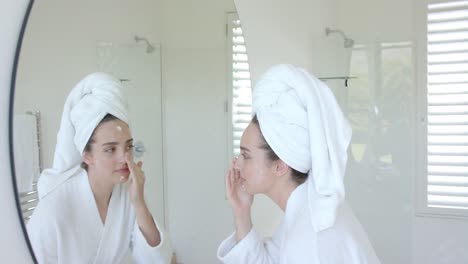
{"x": 228, "y": 185}
{"x": 130, "y": 164}
{"x": 136, "y": 180}
{"x": 230, "y": 181}
{"x": 233, "y": 178}
{"x": 135, "y": 168}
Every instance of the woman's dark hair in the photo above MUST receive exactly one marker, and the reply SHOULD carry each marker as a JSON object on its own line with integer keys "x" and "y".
{"x": 298, "y": 177}
{"x": 87, "y": 148}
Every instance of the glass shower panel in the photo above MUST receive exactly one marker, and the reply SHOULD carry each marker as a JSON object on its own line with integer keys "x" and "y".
{"x": 379, "y": 179}
{"x": 139, "y": 69}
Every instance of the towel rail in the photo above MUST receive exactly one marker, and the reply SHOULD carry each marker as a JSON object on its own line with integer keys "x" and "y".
{"x": 29, "y": 193}
{"x": 29, "y": 199}
{"x": 28, "y": 202}
{"x": 37, "y": 115}
{"x": 25, "y": 194}
{"x": 346, "y": 78}
{"x": 30, "y": 209}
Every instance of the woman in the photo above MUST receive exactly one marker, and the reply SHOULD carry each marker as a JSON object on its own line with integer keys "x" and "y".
{"x": 92, "y": 207}
{"x": 294, "y": 151}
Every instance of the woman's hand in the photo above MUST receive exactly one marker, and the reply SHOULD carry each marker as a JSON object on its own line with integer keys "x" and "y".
{"x": 240, "y": 200}
{"x": 143, "y": 215}
{"x": 136, "y": 181}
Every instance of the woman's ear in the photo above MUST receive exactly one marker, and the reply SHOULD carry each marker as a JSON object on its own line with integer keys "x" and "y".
{"x": 87, "y": 158}
{"x": 281, "y": 168}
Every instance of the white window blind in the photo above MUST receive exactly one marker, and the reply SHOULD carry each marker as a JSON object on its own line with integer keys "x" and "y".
{"x": 241, "y": 83}
{"x": 447, "y": 107}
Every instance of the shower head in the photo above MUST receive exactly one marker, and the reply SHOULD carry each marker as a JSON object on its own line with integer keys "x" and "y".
{"x": 149, "y": 47}
{"x": 348, "y": 42}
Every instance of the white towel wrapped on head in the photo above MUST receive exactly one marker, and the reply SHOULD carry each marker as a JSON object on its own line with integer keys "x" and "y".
{"x": 302, "y": 122}
{"x": 97, "y": 95}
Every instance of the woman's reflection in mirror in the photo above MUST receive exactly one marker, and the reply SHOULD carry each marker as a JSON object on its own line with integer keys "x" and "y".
{"x": 92, "y": 207}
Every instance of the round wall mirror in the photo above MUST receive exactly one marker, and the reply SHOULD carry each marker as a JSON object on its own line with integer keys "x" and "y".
{"x": 14, "y": 242}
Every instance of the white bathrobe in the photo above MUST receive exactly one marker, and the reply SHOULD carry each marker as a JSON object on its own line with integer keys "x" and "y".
{"x": 296, "y": 242}
{"x": 66, "y": 227}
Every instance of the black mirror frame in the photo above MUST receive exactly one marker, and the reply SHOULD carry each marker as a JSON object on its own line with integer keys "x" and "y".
{"x": 10, "y": 124}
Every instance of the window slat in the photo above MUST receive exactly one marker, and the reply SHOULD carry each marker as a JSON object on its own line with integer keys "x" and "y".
{"x": 241, "y": 85}
{"x": 454, "y": 5}
{"x": 444, "y": 109}
{"x": 460, "y": 57}
{"x": 447, "y": 26}
{"x": 450, "y": 202}
{"x": 448, "y": 15}
{"x": 448, "y": 68}
{"x": 447, "y": 180}
{"x": 448, "y": 190}
{"x": 447, "y": 47}
{"x": 447, "y": 150}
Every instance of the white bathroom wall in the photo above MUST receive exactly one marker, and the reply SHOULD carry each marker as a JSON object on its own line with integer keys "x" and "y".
{"x": 440, "y": 240}
{"x": 290, "y": 32}
{"x": 195, "y": 80}
{"x": 379, "y": 20}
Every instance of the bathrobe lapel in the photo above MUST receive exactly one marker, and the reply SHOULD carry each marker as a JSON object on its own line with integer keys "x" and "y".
{"x": 115, "y": 229}
{"x": 296, "y": 224}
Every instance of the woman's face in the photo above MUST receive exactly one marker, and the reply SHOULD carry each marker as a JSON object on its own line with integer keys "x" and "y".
{"x": 106, "y": 160}
{"x": 255, "y": 169}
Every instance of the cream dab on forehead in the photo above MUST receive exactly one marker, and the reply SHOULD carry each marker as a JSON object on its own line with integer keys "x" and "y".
{"x": 119, "y": 128}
